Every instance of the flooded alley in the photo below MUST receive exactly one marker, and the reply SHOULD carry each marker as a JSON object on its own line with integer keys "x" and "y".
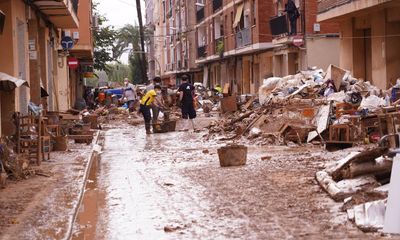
{"x": 170, "y": 186}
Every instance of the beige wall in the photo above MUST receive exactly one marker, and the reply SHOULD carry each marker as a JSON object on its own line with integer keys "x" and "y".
{"x": 370, "y": 47}
{"x": 14, "y": 10}
{"x": 322, "y": 52}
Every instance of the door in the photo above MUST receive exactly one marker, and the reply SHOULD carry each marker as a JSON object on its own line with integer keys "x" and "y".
{"x": 50, "y": 84}
{"x": 23, "y": 93}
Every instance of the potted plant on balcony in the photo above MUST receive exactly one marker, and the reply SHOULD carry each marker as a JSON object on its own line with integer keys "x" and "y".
{"x": 220, "y": 48}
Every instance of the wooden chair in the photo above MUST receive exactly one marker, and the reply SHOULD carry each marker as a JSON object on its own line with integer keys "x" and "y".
{"x": 32, "y": 139}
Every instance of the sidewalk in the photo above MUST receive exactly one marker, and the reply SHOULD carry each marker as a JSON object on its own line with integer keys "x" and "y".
{"x": 44, "y": 207}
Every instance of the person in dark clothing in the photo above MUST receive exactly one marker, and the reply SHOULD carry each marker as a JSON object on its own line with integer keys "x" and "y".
{"x": 293, "y": 14}
{"x": 186, "y": 97}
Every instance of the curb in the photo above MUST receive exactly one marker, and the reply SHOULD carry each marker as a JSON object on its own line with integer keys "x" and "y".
{"x": 91, "y": 157}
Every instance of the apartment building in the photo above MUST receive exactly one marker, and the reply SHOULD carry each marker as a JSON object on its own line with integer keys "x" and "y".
{"x": 234, "y": 43}
{"x": 172, "y": 45}
{"x": 314, "y": 44}
{"x": 369, "y": 37}
{"x": 73, "y": 79}
{"x": 31, "y": 50}
{"x": 238, "y": 42}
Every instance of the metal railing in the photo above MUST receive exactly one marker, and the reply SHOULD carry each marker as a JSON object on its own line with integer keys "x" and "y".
{"x": 202, "y": 52}
{"x": 217, "y": 4}
{"x": 200, "y": 14}
{"x": 280, "y": 25}
{"x": 243, "y": 38}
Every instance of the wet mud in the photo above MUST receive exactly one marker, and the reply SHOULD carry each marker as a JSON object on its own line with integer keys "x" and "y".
{"x": 170, "y": 186}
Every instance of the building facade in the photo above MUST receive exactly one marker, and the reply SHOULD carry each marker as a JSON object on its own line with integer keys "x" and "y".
{"x": 33, "y": 32}
{"x": 172, "y": 39}
{"x": 369, "y": 37}
{"x": 314, "y": 44}
{"x": 238, "y": 43}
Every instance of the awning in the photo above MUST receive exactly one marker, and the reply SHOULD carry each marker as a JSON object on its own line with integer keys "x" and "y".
{"x": 9, "y": 83}
{"x": 239, "y": 12}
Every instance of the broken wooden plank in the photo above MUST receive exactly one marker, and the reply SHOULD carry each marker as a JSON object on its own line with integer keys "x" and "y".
{"x": 365, "y": 156}
{"x": 322, "y": 120}
{"x": 371, "y": 167}
{"x": 249, "y": 103}
{"x": 338, "y": 191}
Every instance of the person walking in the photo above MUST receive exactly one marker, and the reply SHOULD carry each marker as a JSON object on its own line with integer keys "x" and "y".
{"x": 186, "y": 97}
{"x": 129, "y": 92}
{"x": 293, "y": 14}
{"x": 149, "y": 99}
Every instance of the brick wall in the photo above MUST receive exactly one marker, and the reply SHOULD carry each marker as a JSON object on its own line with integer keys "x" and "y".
{"x": 311, "y": 10}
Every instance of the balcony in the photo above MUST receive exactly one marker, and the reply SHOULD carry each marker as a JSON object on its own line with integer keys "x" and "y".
{"x": 219, "y": 46}
{"x": 217, "y": 4}
{"x": 280, "y": 30}
{"x": 326, "y": 5}
{"x": 333, "y": 9}
{"x": 243, "y": 38}
{"x": 202, "y": 52}
{"x": 279, "y": 25}
{"x": 200, "y": 15}
{"x": 62, "y": 13}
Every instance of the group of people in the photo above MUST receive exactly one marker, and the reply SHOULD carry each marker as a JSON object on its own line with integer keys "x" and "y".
{"x": 151, "y": 103}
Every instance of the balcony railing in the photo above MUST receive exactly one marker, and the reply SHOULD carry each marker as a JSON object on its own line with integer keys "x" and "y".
{"x": 280, "y": 25}
{"x": 217, "y": 4}
{"x": 201, "y": 52}
{"x": 243, "y": 38}
{"x": 200, "y": 14}
{"x": 326, "y": 5}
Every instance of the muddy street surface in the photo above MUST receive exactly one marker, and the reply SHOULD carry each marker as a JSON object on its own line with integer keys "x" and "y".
{"x": 170, "y": 186}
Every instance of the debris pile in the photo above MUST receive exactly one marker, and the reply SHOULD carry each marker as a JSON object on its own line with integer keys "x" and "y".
{"x": 360, "y": 181}
{"x": 12, "y": 165}
{"x": 315, "y": 106}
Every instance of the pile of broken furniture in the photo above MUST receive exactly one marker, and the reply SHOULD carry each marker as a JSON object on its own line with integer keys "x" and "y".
{"x": 315, "y": 106}
{"x": 37, "y": 135}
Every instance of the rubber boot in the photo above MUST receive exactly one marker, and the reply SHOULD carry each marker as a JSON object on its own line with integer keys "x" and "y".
{"x": 148, "y": 128}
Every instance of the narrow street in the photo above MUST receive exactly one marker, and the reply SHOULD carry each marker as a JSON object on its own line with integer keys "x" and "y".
{"x": 170, "y": 186}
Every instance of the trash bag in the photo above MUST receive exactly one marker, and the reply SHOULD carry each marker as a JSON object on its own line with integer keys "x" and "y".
{"x": 372, "y": 103}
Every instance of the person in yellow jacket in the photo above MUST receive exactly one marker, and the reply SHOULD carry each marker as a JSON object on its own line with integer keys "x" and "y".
{"x": 145, "y": 105}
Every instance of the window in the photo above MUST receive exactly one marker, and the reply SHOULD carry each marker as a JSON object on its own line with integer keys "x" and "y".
{"x": 253, "y": 12}
{"x": 232, "y": 19}
{"x": 164, "y": 11}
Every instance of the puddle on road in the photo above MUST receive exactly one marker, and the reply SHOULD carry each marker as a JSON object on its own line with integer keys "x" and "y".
{"x": 93, "y": 200}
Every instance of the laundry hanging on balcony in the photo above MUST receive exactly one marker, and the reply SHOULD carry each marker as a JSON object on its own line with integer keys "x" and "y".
{"x": 9, "y": 83}
{"x": 239, "y": 12}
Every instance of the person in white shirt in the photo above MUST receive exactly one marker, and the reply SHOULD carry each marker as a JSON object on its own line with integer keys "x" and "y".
{"x": 129, "y": 92}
